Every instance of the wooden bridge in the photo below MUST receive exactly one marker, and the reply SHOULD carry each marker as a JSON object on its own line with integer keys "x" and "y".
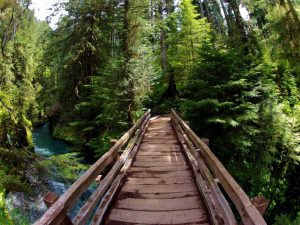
{"x": 159, "y": 172}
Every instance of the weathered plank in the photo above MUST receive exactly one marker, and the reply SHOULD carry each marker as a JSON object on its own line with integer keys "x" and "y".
{"x": 162, "y": 147}
{"x": 158, "y": 164}
{"x": 160, "y": 204}
{"x": 159, "y": 168}
{"x": 185, "y": 173}
{"x": 167, "y": 180}
{"x": 158, "y": 154}
{"x": 166, "y": 188}
{"x": 182, "y": 194}
{"x": 167, "y": 158}
{"x": 171, "y": 217}
{"x": 124, "y": 223}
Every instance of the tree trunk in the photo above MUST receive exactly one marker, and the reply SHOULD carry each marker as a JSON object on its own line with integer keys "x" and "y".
{"x": 201, "y": 9}
{"x": 163, "y": 45}
{"x": 171, "y": 92}
{"x": 226, "y": 17}
{"x": 240, "y": 25}
{"x": 127, "y": 56}
{"x": 293, "y": 26}
{"x": 209, "y": 18}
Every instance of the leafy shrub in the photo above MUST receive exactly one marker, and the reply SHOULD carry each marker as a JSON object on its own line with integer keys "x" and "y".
{"x": 67, "y": 166}
{"x": 285, "y": 220}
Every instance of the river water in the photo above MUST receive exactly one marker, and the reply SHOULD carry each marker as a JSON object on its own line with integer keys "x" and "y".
{"x": 46, "y": 145}
{"x": 33, "y": 208}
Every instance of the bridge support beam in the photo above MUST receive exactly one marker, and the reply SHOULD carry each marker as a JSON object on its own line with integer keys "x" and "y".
{"x": 49, "y": 199}
{"x": 261, "y": 203}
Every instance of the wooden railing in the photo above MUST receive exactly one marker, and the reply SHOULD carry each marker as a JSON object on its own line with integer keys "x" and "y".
{"x": 57, "y": 213}
{"x": 210, "y": 173}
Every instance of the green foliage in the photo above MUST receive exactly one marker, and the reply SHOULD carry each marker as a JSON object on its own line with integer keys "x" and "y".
{"x": 18, "y": 217}
{"x": 12, "y": 167}
{"x": 4, "y": 216}
{"x": 248, "y": 111}
{"x": 236, "y": 81}
{"x": 186, "y": 42}
{"x": 285, "y": 220}
{"x": 105, "y": 78}
{"x": 67, "y": 166}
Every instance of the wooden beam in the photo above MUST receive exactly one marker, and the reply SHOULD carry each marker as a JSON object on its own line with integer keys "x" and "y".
{"x": 49, "y": 199}
{"x": 214, "y": 213}
{"x": 261, "y": 203}
{"x": 206, "y": 141}
{"x": 248, "y": 212}
{"x": 109, "y": 196}
{"x": 87, "y": 209}
{"x": 221, "y": 202}
{"x": 59, "y": 209}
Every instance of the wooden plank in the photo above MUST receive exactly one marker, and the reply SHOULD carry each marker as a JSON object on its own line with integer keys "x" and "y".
{"x": 158, "y": 135}
{"x": 161, "y": 142}
{"x": 159, "y": 126}
{"x": 111, "y": 222}
{"x": 166, "y": 188}
{"x": 182, "y": 194}
{"x": 86, "y": 210}
{"x": 167, "y": 180}
{"x": 164, "y": 174}
{"x": 166, "y": 158}
{"x": 249, "y": 213}
{"x": 158, "y": 164}
{"x": 159, "y": 204}
{"x": 159, "y": 168}
{"x": 163, "y": 149}
{"x": 158, "y": 154}
{"x": 154, "y": 145}
{"x": 57, "y": 212}
{"x": 160, "y": 130}
{"x": 172, "y": 217}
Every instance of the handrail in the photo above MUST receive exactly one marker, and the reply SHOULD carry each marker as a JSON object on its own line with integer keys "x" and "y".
{"x": 217, "y": 206}
{"x": 248, "y": 212}
{"x": 57, "y": 212}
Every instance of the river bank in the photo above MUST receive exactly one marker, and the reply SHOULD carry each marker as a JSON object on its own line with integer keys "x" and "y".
{"x": 25, "y": 209}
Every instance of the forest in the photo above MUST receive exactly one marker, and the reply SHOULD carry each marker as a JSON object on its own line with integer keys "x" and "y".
{"x": 230, "y": 67}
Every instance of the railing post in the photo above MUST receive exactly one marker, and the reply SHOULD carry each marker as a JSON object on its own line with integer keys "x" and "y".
{"x": 261, "y": 203}
{"x": 112, "y": 143}
{"x": 49, "y": 199}
{"x": 205, "y": 140}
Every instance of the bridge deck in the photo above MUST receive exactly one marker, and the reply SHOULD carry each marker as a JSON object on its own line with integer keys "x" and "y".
{"x": 159, "y": 188}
